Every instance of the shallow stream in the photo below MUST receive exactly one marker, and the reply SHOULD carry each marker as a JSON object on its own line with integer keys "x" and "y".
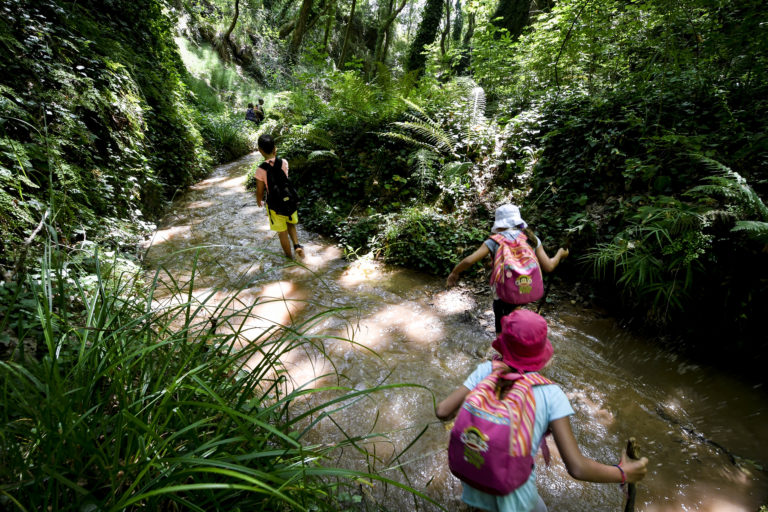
{"x": 703, "y": 429}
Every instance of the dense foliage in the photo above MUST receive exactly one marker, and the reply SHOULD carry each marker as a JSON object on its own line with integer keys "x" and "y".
{"x": 96, "y": 122}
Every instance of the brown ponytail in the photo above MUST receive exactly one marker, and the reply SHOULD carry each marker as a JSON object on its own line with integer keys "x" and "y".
{"x": 532, "y": 240}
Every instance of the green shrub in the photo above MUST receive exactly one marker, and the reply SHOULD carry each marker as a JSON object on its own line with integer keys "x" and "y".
{"x": 424, "y": 239}
{"x": 228, "y": 136}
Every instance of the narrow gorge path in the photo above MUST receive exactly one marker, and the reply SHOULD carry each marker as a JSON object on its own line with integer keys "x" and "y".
{"x": 407, "y": 327}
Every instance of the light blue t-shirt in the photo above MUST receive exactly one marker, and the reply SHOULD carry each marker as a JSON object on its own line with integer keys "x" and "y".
{"x": 509, "y": 234}
{"x": 551, "y": 404}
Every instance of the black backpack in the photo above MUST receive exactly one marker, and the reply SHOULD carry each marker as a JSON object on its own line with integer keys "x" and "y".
{"x": 281, "y": 196}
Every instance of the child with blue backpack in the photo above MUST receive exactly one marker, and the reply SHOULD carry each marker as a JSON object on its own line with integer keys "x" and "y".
{"x": 522, "y": 257}
{"x": 505, "y": 410}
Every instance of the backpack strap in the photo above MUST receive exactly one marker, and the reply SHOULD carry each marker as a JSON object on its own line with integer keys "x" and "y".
{"x": 271, "y": 168}
{"x": 524, "y": 415}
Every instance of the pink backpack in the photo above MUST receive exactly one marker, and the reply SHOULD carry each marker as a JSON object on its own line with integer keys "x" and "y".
{"x": 516, "y": 273}
{"x": 490, "y": 446}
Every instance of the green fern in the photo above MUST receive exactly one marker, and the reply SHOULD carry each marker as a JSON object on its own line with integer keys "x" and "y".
{"x": 430, "y": 134}
{"x": 322, "y": 155}
{"x": 655, "y": 259}
{"x": 755, "y": 230}
{"x": 425, "y": 161}
{"x": 742, "y": 203}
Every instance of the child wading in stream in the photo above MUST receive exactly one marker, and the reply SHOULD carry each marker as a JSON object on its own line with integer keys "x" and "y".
{"x": 511, "y": 244}
{"x": 505, "y": 410}
{"x": 282, "y": 201}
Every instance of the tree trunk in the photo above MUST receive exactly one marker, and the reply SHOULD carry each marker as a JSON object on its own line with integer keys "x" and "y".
{"x": 300, "y": 29}
{"x": 425, "y": 35}
{"x": 286, "y": 29}
{"x": 457, "y": 23}
{"x": 224, "y": 44}
{"x": 466, "y": 49}
{"x": 447, "y": 28}
{"x": 329, "y": 23}
{"x": 234, "y": 21}
{"x": 343, "y": 57}
{"x": 514, "y": 16}
{"x": 382, "y": 38}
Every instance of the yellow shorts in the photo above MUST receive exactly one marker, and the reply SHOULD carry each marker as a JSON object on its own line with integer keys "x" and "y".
{"x": 279, "y": 222}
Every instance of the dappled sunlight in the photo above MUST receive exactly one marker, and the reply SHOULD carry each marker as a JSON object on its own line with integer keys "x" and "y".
{"x": 593, "y": 405}
{"x": 308, "y": 369}
{"x": 317, "y": 256}
{"x": 703, "y": 498}
{"x": 194, "y": 205}
{"x": 454, "y": 301}
{"x": 208, "y": 183}
{"x": 360, "y": 271}
{"x": 380, "y": 331}
{"x": 171, "y": 233}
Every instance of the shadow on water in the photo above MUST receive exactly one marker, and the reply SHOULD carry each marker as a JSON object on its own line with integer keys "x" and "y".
{"x": 701, "y": 427}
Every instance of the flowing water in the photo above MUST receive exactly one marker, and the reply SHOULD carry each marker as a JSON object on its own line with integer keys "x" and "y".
{"x": 702, "y": 428}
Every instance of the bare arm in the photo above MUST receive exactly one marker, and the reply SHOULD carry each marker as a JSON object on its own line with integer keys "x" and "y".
{"x": 589, "y": 470}
{"x": 549, "y": 264}
{"x": 451, "y": 404}
{"x": 259, "y": 192}
{"x": 467, "y": 262}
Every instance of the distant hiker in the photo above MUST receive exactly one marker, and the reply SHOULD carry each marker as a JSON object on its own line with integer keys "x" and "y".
{"x": 250, "y": 114}
{"x": 516, "y": 277}
{"x": 259, "y": 111}
{"x": 505, "y": 410}
{"x": 282, "y": 200}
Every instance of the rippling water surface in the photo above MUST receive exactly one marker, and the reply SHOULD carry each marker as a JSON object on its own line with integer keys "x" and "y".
{"x": 703, "y": 429}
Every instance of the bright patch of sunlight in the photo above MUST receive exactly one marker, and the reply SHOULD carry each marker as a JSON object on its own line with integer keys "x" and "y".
{"x": 360, "y": 271}
{"x": 454, "y": 301}
{"x": 198, "y": 204}
{"x": 277, "y": 304}
{"x": 304, "y": 371}
{"x": 396, "y": 322}
{"x": 593, "y": 405}
{"x": 207, "y": 183}
{"x": 171, "y": 233}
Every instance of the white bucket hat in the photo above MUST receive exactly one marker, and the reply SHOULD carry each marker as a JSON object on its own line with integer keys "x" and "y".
{"x": 508, "y": 216}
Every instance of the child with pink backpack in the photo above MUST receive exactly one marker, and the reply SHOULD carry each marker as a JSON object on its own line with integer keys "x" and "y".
{"x": 505, "y": 409}
{"x": 518, "y": 258}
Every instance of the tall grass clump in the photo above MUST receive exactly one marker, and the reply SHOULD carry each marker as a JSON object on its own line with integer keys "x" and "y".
{"x": 133, "y": 406}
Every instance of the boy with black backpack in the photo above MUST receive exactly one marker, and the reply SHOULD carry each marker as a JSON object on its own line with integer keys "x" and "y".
{"x": 282, "y": 200}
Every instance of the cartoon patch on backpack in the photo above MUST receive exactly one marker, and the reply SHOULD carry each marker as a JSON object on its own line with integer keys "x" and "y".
{"x": 475, "y": 445}
{"x": 523, "y": 283}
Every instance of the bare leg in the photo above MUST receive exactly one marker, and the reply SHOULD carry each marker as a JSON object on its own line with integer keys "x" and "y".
{"x": 285, "y": 243}
{"x": 295, "y": 237}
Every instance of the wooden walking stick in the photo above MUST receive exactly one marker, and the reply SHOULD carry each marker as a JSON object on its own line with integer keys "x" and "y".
{"x": 632, "y": 453}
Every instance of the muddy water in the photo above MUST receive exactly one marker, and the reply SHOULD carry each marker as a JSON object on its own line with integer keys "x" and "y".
{"x": 703, "y": 429}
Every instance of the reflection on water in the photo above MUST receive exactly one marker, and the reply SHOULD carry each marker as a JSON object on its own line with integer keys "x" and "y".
{"x": 702, "y": 428}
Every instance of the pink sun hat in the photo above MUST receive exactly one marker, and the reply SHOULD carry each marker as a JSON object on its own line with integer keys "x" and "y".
{"x": 523, "y": 342}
